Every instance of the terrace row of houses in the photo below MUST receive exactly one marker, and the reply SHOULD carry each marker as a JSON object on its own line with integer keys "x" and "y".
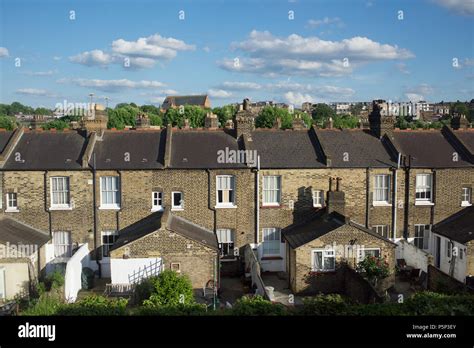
{"x": 193, "y": 198}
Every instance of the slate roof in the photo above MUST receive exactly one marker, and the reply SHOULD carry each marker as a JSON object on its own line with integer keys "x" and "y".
{"x": 286, "y": 148}
{"x": 319, "y": 225}
{"x": 362, "y": 148}
{"x": 198, "y": 149}
{"x": 45, "y": 150}
{"x": 467, "y": 138}
{"x": 146, "y": 149}
{"x": 16, "y": 232}
{"x": 153, "y": 223}
{"x": 428, "y": 149}
{"x": 186, "y": 100}
{"x": 4, "y": 138}
{"x": 458, "y": 227}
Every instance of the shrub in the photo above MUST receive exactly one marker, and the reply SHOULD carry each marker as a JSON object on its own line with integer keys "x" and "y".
{"x": 169, "y": 288}
{"x": 257, "y": 305}
{"x": 174, "y": 310}
{"x": 47, "y": 304}
{"x": 95, "y": 305}
{"x": 54, "y": 280}
{"x": 431, "y": 303}
{"x": 374, "y": 268}
{"x": 144, "y": 290}
{"x": 332, "y": 304}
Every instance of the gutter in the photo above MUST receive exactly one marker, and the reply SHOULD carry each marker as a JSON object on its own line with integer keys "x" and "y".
{"x": 395, "y": 198}
{"x": 367, "y": 197}
{"x": 94, "y": 205}
{"x": 257, "y": 200}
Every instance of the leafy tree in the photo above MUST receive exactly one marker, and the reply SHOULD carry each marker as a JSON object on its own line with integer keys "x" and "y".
{"x": 356, "y": 109}
{"x": 155, "y": 120}
{"x": 150, "y": 109}
{"x": 224, "y": 113}
{"x": 17, "y": 107}
{"x": 460, "y": 108}
{"x": 321, "y": 113}
{"x": 268, "y": 115}
{"x": 56, "y": 124}
{"x": 43, "y": 111}
{"x": 194, "y": 114}
{"x": 170, "y": 288}
{"x": 345, "y": 121}
{"x": 5, "y": 109}
{"x": 7, "y": 122}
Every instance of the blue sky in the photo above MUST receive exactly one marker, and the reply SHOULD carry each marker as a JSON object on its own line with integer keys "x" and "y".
{"x": 139, "y": 51}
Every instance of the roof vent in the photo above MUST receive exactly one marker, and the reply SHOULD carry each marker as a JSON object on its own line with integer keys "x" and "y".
{"x": 108, "y": 160}
{"x": 185, "y": 160}
{"x": 144, "y": 160}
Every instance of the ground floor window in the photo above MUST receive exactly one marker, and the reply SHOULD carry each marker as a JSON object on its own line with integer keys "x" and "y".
{"x": 323, "y": 260}
{"x": 225, "y": 238}
{"x": 108, "y": 239}
{"x": 383, "y": 230}
{"x": 62, "y": 244}
{"x": 271, "y": 242}
{"x": 364, "y": 252}
{"x": 422, "y": 236}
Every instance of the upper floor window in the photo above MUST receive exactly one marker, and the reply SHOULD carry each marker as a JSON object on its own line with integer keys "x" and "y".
{"x": 382, "y": 188}
{"x": 12, "y": 201}
{"x": 60, "y": 192}
{"x": 225, "y": 185}
{"x": 109, "y": 192}
{"x": 318, "y": 198}
{"x": 323, "y": 260}
{"x": 466, "y": 197}
{"x": 424, "y": 188}
{"x": 422, "y": 236}
{"x": 62, "y": 244}
{"x": 156, "y": 201}
{"x": 271, "y": 241}
{"x": 108, "y": 239}
{"x": 271, "y": 190}
{"x": 177, "y": 200}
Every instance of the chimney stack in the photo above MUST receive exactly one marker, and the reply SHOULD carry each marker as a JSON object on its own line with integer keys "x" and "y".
{"x": 211, "y": 121}
{"x": 330, "y": 123}
{"x": 186, "y": 124}
{"x": 298, "y": 123}
{"x": 277, "y": 123}
{"x": 380, "y": 124}
{"x": 142, "y": 121}
{"x": 335, "y": 199}
{"x": 459, "y": 121}
{"x": 244, "y": 120}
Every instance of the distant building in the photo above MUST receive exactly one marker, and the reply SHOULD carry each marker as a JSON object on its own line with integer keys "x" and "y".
{"x": 177, "y": 101}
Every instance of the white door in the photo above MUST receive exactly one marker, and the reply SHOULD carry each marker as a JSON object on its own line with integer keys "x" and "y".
{"x": 2, "y": 283}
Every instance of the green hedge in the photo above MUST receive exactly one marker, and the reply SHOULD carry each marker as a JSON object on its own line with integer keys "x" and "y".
{"x": 95, "y": 305}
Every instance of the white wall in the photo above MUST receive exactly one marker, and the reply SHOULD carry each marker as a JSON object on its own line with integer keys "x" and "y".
{"x": 73, "y": 276}
{"x": 273, "y": 265}
{"x": 129, "y": 271}
{"x": 460, "y": 266}
{"x": 413, "y": 256}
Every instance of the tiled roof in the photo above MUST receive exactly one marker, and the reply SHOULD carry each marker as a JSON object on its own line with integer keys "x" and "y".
{"x": 467, "y": 138}
{"x": 40, "y": 150}
{"x": 199, "y": 149}
{"x": 192, "y": 231}
{"x": 16, "y": 232}
{"x": 458, "y": 227}
{"x": 428, "y": 149}
{"x": 4, "y": 138}
{"x": 143, "y": 150}
{"x": 186, "y": 100}
{"x": 354, "y": 148}
{"x": 286, "y": 148}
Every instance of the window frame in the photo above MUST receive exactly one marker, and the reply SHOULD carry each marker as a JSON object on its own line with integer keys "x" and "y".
{"x": 11, "y": 208}
{"x": 319, "y": 197}
{"x": 426, "y": 234}
{"x": 172, "y": 264}
{"x": 424, "y": 189}
{"x": 468, "y": 194}
{"x": 361, "y": 253}
{"x": 112, "y": 233}
{"x": 229, "y": 244}
{"x": 159, "y": 199}
{"x": 277, "y": 233}
{"x": 277, "y": 191}
{"x": 385, "y": 189}
{"x": 115, "y": 193}
{"x": 324, "y": 255}
{"x": 68, "y": 247}
{"x": 177, "y": 207}
{"x": 375, "y": 228}
{"x": 231, "y": 202}
{"x": 67, "y": 192}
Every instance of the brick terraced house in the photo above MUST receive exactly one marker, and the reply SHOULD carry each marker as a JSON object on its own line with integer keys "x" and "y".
{"x": 158, "y": 194}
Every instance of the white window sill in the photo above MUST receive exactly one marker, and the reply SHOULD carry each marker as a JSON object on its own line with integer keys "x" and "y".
{"x": 177, "y": 209}
{"x": 270, "y": 204}
{"x": 317, "y": 205}
{"x": 465, "y": 204}
{"x": 155, "y": 209}
{"x": 225, "y": 206}
{"x": 381, "y": 204}
{"x": 12, "y": 210}
{"x": 60, "y": 208}
{"x": 323, "y": 270}
{"x": 109, "y": 207}
{"x": 424, "y": 203}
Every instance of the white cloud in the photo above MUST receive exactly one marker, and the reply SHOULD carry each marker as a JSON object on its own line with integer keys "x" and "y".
{"x": 219, "y": 93}
{"x": 414, "y": 97}
{"x": 464, "y": 7}
{"x": 113, "y": 85}
{"x": 297, "y": 98}
{"x": 269, "y": 55}
{"x": 142, "y": 53}
{"x": 402, "y": 67}
{"x": 35, "y": 92}
{"x": 92, "y": 58}
{"x": 41, "y": 73}
{"x": 315, "y": 23}
{"x": 57, "y": 58}
{"x": 419, "y": 92}
{"x": 3, "y": 52}
{"x": 240, "y": 86}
